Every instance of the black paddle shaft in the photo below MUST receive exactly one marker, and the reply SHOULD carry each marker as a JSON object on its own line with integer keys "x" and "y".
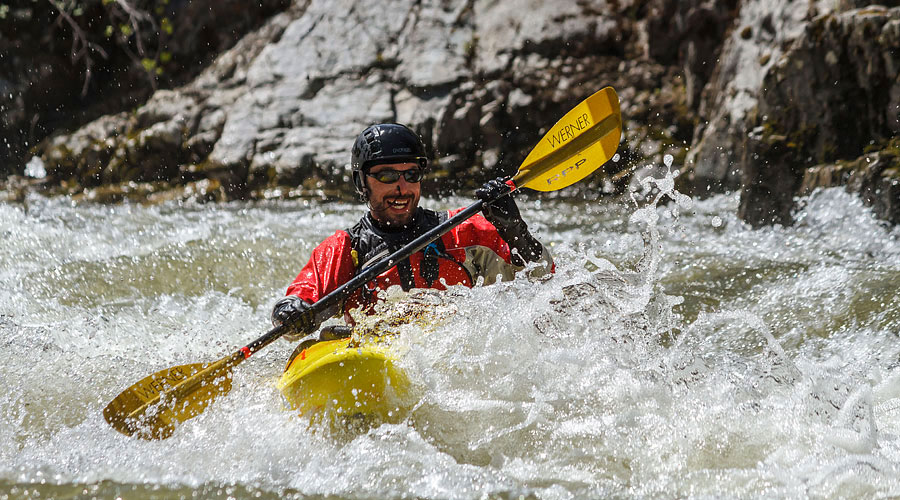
{"x": 328, "y": 303}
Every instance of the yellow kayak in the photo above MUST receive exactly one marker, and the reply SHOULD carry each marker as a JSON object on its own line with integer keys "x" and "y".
{"x": 346, "y": 378}
{"x": 355, "y": 373}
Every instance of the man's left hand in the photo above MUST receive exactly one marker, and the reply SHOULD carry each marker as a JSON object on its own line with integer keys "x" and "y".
{"x": 499, "y": 208}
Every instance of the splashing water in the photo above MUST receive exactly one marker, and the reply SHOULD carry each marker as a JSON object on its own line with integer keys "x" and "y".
{"x": 676, "y": 352}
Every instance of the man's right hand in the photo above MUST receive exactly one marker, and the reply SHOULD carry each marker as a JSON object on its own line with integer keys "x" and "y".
{"x": 502, "y": 212}
{"x": 293, "y": 311}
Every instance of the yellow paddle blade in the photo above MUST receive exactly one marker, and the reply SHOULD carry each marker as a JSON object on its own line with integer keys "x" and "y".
{"x": 153, "y": 407}
{"x": 579, "y": 143}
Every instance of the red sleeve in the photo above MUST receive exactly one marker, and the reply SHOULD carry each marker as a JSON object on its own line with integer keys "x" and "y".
{"x": 479, "y": 231}
{"x": 330, "y": 266}
{"x": 476, "y": 230}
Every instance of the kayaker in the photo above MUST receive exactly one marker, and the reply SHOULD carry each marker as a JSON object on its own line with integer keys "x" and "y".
{"x": 388, "y": 162}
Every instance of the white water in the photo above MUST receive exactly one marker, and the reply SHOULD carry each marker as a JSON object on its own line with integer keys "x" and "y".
{"x": 719, "y": 362}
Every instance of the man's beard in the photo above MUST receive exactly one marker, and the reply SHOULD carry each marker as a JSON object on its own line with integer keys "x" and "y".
{"x": 381, "y": 211}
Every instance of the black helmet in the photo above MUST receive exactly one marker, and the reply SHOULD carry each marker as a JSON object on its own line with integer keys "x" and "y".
{"x": 384, "y": 143}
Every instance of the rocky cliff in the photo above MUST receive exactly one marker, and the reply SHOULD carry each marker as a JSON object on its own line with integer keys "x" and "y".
{"x": 64, "y": 64}
{"x": 761, "y": 96}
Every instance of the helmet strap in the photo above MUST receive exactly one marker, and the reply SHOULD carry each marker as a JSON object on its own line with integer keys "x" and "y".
{"x": 366, "y": 192}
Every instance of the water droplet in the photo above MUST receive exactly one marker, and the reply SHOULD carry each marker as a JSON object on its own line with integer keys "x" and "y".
{"x": 716, "y": 221}
{"x": 668, "y": 160}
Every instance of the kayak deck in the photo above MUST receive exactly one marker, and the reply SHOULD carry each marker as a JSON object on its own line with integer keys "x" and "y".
{"x": 346, "y": 378}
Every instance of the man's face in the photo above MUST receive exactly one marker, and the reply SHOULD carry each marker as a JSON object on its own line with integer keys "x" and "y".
{"x": 393, "y": 204}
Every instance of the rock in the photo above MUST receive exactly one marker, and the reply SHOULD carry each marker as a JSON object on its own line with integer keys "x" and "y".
{"x": 874, "y": 176}
{"x": 743, "y": 94}
{"x": 501, "y": 31}
{"x": 842, "y": 70}
{"x": 85, "y": 154}
{"x": 736, "y": 85}
{"x": 878, "y": 184}
{"x": 825, "y": 176}
{"x": 458, "y": 72}
{"x": 692, "y": 33}
{"x": 53, "y": 82}
{"x": 202, "y": 191}
{"x": 772, "y": 170}
{"x": 15, "y": 188}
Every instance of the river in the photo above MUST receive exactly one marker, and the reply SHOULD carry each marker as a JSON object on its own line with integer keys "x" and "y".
{"x": 675, "y": 353}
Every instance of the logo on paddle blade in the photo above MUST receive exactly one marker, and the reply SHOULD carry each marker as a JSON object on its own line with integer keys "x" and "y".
{"x": 568, "y": 132}
{"x": 565, "y": 171}
{"x": 157, "y": 385}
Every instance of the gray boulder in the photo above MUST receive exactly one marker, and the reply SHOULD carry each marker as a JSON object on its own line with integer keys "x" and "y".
{"x": 834, "y": 95}
{"x": 757, "y": 41}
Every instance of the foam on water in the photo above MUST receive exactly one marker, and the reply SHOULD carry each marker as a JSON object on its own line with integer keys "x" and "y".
{"x": 676, "y": 352}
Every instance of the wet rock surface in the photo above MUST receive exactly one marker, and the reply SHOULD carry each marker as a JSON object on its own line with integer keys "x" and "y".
{"x": 65, "y": 64}
{"x": 834, "y": 95}
{"x": 747, "y": 95}
{"x": 874, "y": 176}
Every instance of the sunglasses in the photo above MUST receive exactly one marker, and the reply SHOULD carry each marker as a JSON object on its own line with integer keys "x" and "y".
{"x": 389, "y": 176}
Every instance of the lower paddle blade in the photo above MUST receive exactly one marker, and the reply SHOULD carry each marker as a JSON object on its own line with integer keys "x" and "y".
{"x": 153, "y": 407}
{"x": 579, "y": 143}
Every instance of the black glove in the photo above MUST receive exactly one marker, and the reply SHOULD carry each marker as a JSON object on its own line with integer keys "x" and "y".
{"x": 501, "y": 212}
{"x": 292, "y": 310}
{"x": 505, "y": 216}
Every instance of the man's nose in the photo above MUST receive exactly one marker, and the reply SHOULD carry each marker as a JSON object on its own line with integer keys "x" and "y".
{"x": 402, "y": 185}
